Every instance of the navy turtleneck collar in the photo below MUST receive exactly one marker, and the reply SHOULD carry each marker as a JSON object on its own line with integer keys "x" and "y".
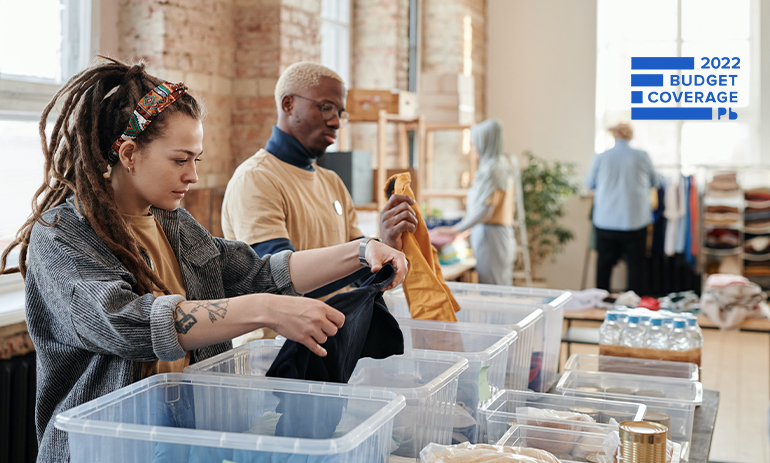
{"x": 289, "y": 150}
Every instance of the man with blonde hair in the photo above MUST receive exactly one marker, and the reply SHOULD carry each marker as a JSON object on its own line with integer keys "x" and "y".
{"x": 621, "y": 178}
{"x": 279, "y": 199}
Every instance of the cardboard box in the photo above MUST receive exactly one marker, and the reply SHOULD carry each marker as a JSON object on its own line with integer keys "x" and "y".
{"x": 447, "y": 98}
{"x": 458, "y": 85}
{"x": 365, "y": 104}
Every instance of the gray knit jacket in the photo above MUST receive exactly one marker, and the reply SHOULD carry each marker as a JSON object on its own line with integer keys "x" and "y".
{"x": 92, "y": 331}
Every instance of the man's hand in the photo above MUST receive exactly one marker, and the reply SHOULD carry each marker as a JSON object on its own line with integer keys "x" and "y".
{"x": 396, "y": 218}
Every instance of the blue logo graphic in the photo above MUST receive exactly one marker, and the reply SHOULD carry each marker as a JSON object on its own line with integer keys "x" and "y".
{"x": 716, "y": 86}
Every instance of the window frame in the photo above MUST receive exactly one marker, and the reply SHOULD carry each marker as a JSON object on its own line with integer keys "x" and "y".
{"x": 749, "y": 115}
{"x": 23, "y": 98}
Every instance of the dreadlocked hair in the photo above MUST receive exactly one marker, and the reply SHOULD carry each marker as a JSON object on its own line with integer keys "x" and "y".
{"x": 95, "y": 107}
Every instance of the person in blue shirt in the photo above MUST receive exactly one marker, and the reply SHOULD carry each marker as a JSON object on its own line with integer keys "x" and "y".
{"x": 621, "y": 178}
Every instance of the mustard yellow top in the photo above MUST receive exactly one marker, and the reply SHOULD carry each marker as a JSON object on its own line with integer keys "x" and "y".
{"x": 150, "y": 236}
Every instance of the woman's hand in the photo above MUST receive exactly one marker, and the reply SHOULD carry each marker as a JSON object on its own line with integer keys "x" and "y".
{"x": 441, "y": 236}
{"x": 378, "y": 254}
{"x": 307, "y": 321}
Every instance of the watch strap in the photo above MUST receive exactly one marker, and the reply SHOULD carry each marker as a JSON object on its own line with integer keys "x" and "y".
{"x": 362, "y": 250}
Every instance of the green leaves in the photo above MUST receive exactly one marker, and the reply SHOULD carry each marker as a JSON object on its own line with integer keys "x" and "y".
{"x": 547, "y": 186}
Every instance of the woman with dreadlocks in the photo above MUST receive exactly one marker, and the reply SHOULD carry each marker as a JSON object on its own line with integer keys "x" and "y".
{"x": 121, "y": 282}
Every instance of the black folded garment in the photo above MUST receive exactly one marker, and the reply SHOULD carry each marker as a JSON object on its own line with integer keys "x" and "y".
{"x": 369, "y": 331}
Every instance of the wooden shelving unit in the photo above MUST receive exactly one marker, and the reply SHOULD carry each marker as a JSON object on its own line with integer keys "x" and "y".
{"x": 404, "y": 125}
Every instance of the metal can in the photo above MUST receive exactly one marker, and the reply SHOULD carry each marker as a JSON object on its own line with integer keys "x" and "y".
{"x": 642, "y": 442}
{"x": 661, "y": 418}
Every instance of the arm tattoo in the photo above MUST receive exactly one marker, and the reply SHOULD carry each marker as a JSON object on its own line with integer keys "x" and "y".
{"x": 183, "y": 321}
{"x": 214, "y": 308}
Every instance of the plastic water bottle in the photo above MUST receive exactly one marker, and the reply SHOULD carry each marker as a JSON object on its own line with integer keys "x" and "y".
{"x": 622, "y": 319}
{"x": 668, "y": 325}
{"x": 679, "y": 339}
{"x": 609, "y": 332}
{"x": 644, "y": 322}
{"x": 656, "y": 336}
{"x": 696, "y": 335}
{"x": 633, "y": 334}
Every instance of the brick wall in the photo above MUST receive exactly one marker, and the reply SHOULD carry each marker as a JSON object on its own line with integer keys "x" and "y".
{"x": 230, "y": 53}
{"x": 380, "y": 60}
{"x": 443, "y": 52}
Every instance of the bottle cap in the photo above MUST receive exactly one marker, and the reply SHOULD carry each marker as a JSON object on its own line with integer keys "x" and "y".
{"x": 612, "y": 317}
{"x": 679, "y": 324}
{"x": 633, "y": 319}
{"x": 643, "y": 432}
{"x": 691, "y": 321}
{"x": 657, "y": 322}
{"x": 668, "y": 320}
{"x": 645, "y": 318}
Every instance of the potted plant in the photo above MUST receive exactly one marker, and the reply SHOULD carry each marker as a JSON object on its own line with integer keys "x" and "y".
{"x": 547, "y": 185}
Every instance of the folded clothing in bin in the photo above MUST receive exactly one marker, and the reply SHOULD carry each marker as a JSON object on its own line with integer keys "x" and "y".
{"x": 467, "y": 453}
{"x": 369, "y": 331}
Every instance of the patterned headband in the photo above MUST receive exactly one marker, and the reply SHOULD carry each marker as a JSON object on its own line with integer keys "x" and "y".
{"x": 152, "y": 104}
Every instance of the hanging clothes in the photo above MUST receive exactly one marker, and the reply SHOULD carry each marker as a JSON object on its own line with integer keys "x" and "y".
{"x": 682, "y": 228}
{"x": 426, "y": 292}
{"x": 672, "y": 213}
{"x": 659, "y": 221}
{"x": 694, "y": 219}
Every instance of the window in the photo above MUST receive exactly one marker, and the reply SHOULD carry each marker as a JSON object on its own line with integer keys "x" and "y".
{"x": 335, "y": 41}
{"x": 51, "y": 42}
{"x": 335, "y": 36}
{"x": 678, "y": 28}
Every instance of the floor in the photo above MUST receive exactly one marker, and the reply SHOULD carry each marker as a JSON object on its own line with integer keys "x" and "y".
{"x": 737, "y": 364}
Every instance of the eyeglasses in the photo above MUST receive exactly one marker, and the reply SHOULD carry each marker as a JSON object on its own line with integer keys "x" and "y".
{"x": 328, "y": 110}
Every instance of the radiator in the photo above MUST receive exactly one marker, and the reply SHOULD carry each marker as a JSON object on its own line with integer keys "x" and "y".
{"x": 18, "y": 440}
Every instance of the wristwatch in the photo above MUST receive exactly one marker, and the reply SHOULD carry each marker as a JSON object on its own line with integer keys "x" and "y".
{"x": 362, "y": 250}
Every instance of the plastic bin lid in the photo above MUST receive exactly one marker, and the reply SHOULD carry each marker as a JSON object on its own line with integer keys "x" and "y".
{"x": 454, "y": 365}
{"x": 547, "y": 399}
{"x": 77, "y": 419}
{"x": 678, "y": 391}
{"x": 651, "y": 367}
{"x": 497, "y": 338}
{"x": 546, "y": 299}
{"x": 543, "y": 298}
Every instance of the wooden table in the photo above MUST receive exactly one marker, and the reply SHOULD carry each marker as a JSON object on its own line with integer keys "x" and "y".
{"x": 703, "y": 427}
{"x": 461, "y": 271}
{"x": 750, "y": 324}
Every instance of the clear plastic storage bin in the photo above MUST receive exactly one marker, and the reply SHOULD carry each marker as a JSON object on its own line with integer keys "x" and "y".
{"x": 566, "y": 445}
{"x": 485, "y": 347}
{"x": 675, "y": 398}
{"x": 516, "y": 407}
{"x": 540, "y": 338}
{"x": 183, "y": 417}
{"x": 633, "y": 366}
{"x": 428, "y": 382}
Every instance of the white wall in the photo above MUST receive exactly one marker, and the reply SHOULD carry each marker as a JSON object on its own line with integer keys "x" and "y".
{"x": 541, "y": 82}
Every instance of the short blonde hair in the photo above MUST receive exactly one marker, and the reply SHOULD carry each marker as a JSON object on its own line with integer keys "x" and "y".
{"x": 302, "y": 76}
{"x": 622, "y": 130}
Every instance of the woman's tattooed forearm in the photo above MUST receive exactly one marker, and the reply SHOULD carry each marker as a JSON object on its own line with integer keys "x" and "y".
{"x": 184, "y": 321}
